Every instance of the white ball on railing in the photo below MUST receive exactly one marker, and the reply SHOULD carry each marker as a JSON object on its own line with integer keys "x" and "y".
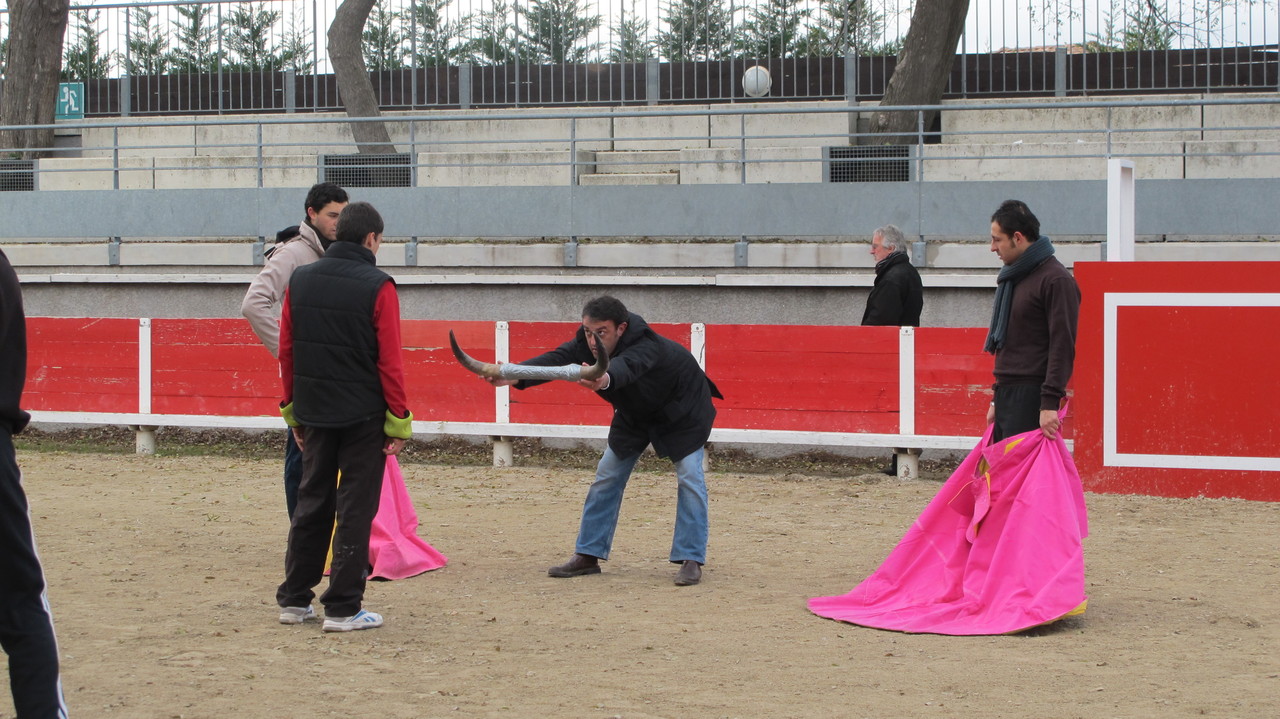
{"x": 756, "y": 81}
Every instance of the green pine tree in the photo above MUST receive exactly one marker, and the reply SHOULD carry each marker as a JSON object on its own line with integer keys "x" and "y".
{"x": 194, "y": 42}
{"x": 843, "y": 27}
{"x": 697, "y": 30}
{"x": 557, "y": 31}
{"x": 632, "y": 33}
{"x": 250, "y": 41}
{"x": 384, "y": 42}
{"x": 1148, "y": 28}
{"x": 772, "y": 29}
{"x": 85, "y": 59}
{"x": 145, "y": 52}
{"x": 494, "y": 40}
{"x": 436, "y": 40}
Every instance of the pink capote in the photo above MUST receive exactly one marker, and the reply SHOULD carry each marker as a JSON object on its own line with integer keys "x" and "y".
{"x": 998, "y": 550}
{"x": 395, "y": 549}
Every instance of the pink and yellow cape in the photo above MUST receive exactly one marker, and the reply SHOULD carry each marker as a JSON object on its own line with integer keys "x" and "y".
{"x": 395, "y": 549}
{"x": 998, "y": 550}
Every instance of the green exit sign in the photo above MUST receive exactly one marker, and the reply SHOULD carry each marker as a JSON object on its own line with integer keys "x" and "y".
{"x": 70, "y": 101}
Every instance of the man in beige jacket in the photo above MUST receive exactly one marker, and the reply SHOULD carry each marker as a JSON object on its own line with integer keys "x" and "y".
{"x": 261, "y": 305}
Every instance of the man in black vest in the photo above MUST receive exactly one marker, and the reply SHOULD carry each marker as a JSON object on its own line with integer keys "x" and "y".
{"x": 26, "y": 627}
{"x": 661, "y": 397}
{"x": 344, "y": 397}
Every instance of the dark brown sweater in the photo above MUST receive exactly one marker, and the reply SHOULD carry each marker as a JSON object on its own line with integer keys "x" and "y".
{"x": 1040, "y": 346}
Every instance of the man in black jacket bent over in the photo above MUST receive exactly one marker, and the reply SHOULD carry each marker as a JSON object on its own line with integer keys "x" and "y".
{"x": 661, "y": 397}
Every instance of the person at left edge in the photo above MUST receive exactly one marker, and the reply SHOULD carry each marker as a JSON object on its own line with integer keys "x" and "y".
{"x": 26, "y": 624}
{"x": 344, "y": 397}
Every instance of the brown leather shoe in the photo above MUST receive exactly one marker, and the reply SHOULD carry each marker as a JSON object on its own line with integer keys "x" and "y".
{"x": 578, "y": 565}
{"x": 690, "y": 573}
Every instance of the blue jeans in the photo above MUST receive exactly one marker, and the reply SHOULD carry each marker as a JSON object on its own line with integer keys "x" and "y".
{"x": 604, "y": 499}
{"x": 292, "y": 472}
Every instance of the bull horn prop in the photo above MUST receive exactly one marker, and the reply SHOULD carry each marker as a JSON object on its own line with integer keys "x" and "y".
{"x": 512, "y": 370}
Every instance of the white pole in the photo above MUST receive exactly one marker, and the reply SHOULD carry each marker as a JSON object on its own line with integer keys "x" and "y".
{"x": 907, "y": 380}
{"x": 1120, "y": 210}
{"x": 503, "y": 449}
{"x": 144, "y": 366}
{"x": 144, "y": 438}
{"x": 908, "y": 457}
{"x": 698, "y": 347}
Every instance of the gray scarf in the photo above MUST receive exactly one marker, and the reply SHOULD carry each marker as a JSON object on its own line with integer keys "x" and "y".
{"x": 1034, "y": 256}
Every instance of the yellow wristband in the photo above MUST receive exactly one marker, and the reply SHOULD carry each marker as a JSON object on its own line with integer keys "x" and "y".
{"x": 398, "y": 428}
{"x": 286, "y": 411}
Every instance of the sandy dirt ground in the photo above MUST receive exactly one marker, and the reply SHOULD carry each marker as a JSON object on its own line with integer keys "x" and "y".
{"x": 163, "y": 572}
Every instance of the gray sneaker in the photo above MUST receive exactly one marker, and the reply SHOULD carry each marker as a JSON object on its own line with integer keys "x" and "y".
{"x": 296, "y": 615}
{"x": 361, "y": 620}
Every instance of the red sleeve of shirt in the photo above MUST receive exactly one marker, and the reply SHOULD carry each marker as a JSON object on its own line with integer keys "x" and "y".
{"x": 286, "y": 349}
{"x": 386, "y": 323}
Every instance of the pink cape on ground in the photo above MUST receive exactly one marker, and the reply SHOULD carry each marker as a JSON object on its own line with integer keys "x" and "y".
{"x": 998, "y": 550}
{"x": 395, "y": 549}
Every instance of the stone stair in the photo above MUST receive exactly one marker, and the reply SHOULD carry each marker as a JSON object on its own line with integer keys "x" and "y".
{"x": 634, "y": 167}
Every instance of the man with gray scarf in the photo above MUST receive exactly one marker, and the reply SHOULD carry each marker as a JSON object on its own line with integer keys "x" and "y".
{"x": 1033, "y": 326}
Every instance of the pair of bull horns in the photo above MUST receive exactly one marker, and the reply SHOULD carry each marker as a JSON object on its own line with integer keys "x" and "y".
{"x": 512, "y": 370}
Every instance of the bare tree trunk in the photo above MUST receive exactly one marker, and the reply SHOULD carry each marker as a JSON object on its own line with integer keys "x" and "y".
{"x": 924, "y": 65}
{"x": 34, "y": 60}
{"x": 353, "y": 77}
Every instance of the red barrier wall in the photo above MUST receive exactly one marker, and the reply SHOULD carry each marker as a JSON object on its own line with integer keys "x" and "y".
{"x": 1175, "y": 389}
{"x": 439, "y": 388}
{"x": 845, "y": 379}
{"x": 795, "y": 377}
{"x": 81, "y": 365}
{"x": 1188, "y": 352}
{"x": 211, "y": 367}
{"x": 953, "y": 376}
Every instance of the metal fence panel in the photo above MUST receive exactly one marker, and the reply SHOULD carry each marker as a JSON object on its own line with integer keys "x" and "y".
{"x": 226, "y": 56}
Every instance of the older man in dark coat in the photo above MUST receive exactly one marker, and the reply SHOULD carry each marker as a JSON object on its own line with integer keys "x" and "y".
{"x": 898, "y": 295}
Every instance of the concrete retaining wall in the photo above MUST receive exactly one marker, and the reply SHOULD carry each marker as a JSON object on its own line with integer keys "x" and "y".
{"x": 1167, "y": 142}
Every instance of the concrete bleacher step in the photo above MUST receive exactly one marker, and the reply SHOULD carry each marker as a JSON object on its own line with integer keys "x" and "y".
{"x": 629, "y": 162}
{"x": 636, "y": 178}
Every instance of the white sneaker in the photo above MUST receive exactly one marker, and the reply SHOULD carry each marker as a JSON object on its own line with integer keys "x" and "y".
{"x": 296, "y": 615}
{"x": 361, "y": 620}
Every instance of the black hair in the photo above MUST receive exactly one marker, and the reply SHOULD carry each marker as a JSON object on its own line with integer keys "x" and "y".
{"x": 356, "y": 222}
{"x": 1014, "y": 216}
{"x": 322, "y": 194}
{"x": 606, "y": 308}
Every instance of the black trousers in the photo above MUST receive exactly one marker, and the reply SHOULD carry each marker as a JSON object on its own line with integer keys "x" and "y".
{"x": 356, "y": 451}
{"x": 26, "y": 625}
{"x": 1017, "y": 410}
